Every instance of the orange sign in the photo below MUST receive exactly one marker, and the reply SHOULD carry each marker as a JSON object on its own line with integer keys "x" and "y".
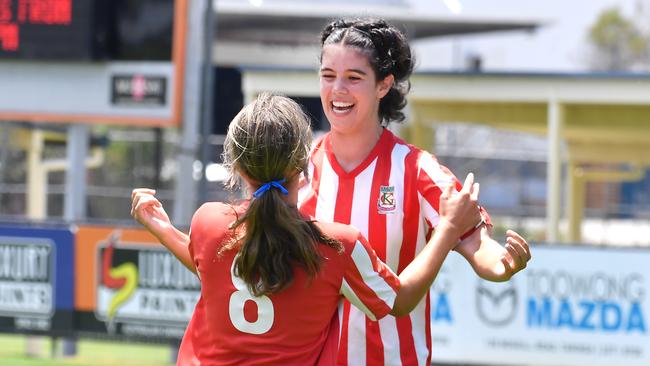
{"x": 128, "y": 284}
{"x": 87, "y": 242}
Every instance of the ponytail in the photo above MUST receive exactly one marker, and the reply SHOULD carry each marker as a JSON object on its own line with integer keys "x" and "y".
{"x": 268, "y": 141}
{"x": 276, "y": 239}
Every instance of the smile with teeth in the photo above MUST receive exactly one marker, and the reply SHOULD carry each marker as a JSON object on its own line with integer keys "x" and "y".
{"x": 341, "y": 107}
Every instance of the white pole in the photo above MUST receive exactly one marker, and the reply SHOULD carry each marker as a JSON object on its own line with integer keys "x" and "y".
{"x": 36, "y": 178}
{"x": 74, "y": 208}
{"x": 36, "y": 210}
{"x": 553, "y": 170}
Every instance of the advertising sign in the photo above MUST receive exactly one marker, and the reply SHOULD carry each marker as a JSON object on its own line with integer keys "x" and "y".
{"x": 36, "y": 280}
{"x": 138, "y": 89}
{"x": 132, "y": 286}
{"x": 49, "y": 73}
{"x": 571, "y": 306}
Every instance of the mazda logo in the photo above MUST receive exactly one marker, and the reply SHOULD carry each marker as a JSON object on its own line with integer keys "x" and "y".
{"x": 495, "y": 305}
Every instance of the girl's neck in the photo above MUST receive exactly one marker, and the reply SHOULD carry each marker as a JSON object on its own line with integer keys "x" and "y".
{"x": 351, "y": 150}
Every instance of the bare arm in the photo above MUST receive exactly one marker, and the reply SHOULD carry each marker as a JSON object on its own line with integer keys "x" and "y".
{"x": 416, "y": 279}
{"x": 492, "y": 261}
{"x": 458, "y": 213}
{"x": 148, "y": 211}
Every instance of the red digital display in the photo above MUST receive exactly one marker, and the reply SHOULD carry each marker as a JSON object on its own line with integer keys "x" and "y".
{"x": 46, "y": 29}
{"x": 52, "y": 12}
{"x": 9, "y": 37}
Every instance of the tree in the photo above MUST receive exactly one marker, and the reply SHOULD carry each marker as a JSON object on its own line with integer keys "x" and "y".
{"x": 618, "y": 43}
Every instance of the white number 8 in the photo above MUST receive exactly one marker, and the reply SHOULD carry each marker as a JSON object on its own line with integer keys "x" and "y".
{"x": 238, "y": 298}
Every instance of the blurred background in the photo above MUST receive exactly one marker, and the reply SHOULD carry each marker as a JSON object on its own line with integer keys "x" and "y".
{"x": 548, "y": 103}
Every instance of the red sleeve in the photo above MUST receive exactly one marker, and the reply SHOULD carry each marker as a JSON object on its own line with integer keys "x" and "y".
{"x": 210, "y": 225}
{"x": 368, "y": 283}
{"x": 431, "y": 177}
{"x": 196, "y": 234}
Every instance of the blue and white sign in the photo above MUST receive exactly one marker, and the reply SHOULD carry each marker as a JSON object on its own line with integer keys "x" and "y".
{"x": 571, "y": 306}
{"x": 36, "y": 280}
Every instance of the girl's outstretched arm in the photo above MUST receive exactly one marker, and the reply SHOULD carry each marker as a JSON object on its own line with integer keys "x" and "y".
{"x": 148, "y": 211}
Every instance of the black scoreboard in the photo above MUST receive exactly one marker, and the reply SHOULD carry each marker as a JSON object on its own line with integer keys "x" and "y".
{"x": 86, "y": 29}
{"x": 48, "y": 29}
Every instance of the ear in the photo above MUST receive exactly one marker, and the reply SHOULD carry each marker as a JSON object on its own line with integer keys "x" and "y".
{"x": 383, "y": 86}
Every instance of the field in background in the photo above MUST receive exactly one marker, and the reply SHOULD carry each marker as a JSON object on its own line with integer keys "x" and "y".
{"x": 90, "y": 353}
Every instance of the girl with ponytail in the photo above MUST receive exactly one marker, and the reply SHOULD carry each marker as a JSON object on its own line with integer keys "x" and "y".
{"x": 268, "y": 145}
{"x": 272, "y": 278}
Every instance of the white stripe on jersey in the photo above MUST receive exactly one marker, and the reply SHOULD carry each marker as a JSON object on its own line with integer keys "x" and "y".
{"x": 423, "y": 227}
{"x": 341, "y": 306}
{"x": 359, "y": 215}
{"x": 327, "y": 193}
{"x": 356, "y": 338}
{"x": 430, "y": 214}
{"x": 419, "y": 330}
{"x": 370, "y": 277}
{"x": 431, "y": 167}
{"x": 395, "y": 219}
{"x": 388, "y": 330}
{"x": 305, "y": 190}
{"x": 352, "y": 297}
{"x": 418, "y": 315}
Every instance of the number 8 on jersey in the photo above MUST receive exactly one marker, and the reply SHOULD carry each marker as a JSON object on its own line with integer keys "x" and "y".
{"x": 239, "y": 298}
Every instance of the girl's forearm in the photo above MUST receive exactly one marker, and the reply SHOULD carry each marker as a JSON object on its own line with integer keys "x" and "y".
{"x": 417, "y": 277}
{"x": 177, "y": 242}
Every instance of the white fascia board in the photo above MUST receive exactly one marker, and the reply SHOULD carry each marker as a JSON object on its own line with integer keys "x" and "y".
{"x": 531, "y": 89}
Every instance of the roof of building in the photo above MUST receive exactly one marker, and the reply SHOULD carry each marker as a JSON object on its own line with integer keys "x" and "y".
{"x": 300, "y": 22}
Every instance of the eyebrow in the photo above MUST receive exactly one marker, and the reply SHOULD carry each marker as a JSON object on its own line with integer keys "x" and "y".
{"x": 358, "y": 71}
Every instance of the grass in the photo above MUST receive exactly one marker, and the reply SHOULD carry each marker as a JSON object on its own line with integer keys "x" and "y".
{"x": 89, "y": 353}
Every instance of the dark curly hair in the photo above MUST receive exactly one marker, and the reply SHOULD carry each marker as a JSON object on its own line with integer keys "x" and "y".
{"x": 388, "y": 53}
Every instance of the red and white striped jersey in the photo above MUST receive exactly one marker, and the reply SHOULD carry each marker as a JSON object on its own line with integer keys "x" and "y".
{"x": 392, "y": 199}
{"x": 296, "y": 326}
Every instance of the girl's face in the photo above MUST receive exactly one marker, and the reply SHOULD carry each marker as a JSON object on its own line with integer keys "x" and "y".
{"x": 349, "y": 91}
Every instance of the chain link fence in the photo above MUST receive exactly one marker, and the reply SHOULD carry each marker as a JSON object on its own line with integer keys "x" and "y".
{"x": 510, "y": 166}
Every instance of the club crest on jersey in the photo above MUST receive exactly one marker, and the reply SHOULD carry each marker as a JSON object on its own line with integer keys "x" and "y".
{"x": 386, "y": 201}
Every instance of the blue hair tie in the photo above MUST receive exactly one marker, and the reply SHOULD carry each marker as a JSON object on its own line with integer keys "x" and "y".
{"x": 267, "y": 186}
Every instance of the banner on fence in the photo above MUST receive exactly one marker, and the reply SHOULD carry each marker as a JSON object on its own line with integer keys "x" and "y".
{"x": 571, "y": 306}
{"x": 131, "y": 287}
{"x": 36, "y": 280}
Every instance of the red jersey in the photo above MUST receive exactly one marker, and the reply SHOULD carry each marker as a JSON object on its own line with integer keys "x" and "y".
{"x": 297, "y": 326}
{"x": 392, "y": 197}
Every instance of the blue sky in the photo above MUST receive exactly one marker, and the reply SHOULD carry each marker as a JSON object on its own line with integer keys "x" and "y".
{"x": 558, "y": 46}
